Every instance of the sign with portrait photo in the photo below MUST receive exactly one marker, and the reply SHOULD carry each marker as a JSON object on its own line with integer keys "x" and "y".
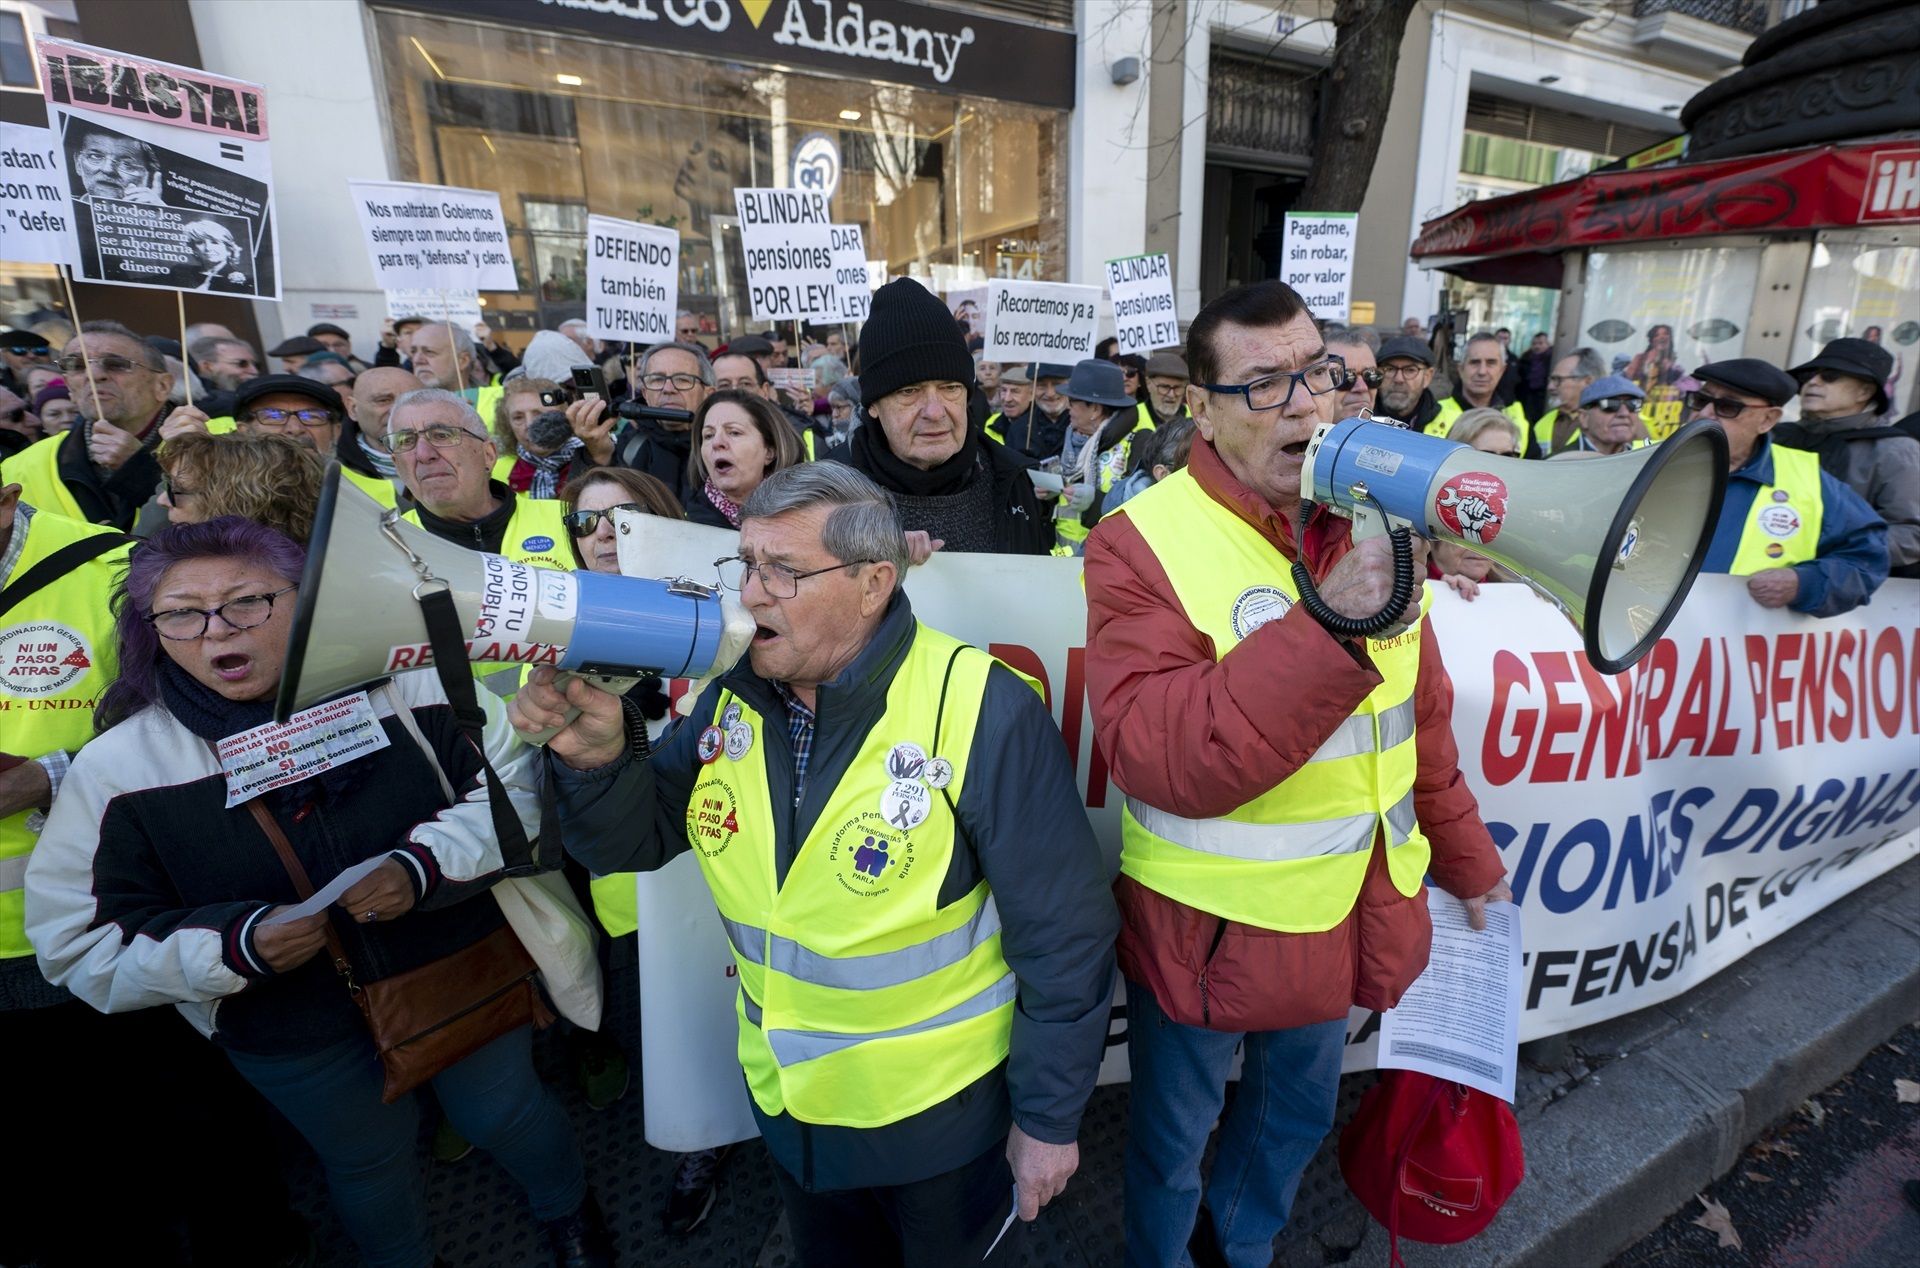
{"x": 167, "y": 170}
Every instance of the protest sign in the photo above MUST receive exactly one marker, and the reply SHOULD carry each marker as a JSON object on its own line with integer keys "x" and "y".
{"x": 36, "y": 219}
{"x": 434, "y": 237}
{"x": 1144, "y": 316}
{"x": 169, "y": 176}
{"x": 850, "y": 272}
{"x": 633, "y": 280}
{"x": 787, "y": 240}
{"x": 461, "y": 307}
{"x": 1657, "y": 825}
{"x": 1040, "y": 321}
{"x": 1318, "y": 263}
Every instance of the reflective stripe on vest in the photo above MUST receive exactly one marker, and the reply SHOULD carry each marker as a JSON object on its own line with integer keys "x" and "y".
{"x": 850, "y": 971}
{"x": 36, "y": 469}
{"x": 61, "y": 653}
{"x": 995, "y": 427}
{"x": 1783, "y": 524}
{"x": 1294, "y": 857}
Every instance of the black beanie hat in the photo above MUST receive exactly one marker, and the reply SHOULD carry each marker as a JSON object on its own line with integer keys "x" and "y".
{"x": 910, "y": 337}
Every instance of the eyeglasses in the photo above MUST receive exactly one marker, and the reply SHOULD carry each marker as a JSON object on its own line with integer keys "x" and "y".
{"x": 679, "y": 382}
{"x": 440, "y": 436}
{"x": 1402, "y": 370}
{"x": 915, "y": 394}
{"x": 243, "y": 613}
{"x": 1275, "y": 390}
{"x": 587, "y": 523}
{"x": 1617, "y": 405}
{"x": 1555, "y": 380}
{"x": 168, "y": 489}
{"x": 1829, "y": 376}
{"x": 1721, "y": 406}
{"x": 1372, "y": 378}
{"x": 102, "y": 365}
{"x": 779, "y": 580}
{"x": 315, "y": 418}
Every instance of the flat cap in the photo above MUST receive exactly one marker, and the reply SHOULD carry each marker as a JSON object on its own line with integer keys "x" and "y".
{"x": 1407, "y": 348}
{"x": 1611, "y": 385}
{"x": 1168, "y": 365}
{"x": 1753, "y": 376}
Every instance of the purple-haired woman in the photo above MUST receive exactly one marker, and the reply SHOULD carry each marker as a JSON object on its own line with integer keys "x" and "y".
{"x": 147, "y": 887}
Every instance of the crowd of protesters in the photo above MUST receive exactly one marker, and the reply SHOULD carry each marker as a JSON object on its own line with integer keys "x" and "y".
{"x": 176, "y": 522}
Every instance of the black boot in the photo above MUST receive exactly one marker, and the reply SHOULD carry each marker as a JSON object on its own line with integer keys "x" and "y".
{"x": 580, "y": 1240}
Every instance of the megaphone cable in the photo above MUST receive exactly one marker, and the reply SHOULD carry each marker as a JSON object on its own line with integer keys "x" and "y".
{"x": 1346, "y": 626}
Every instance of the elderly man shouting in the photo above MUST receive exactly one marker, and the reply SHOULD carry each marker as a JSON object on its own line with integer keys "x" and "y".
{"x": 919, "y": 911}
{"x": 1288, "y": 789}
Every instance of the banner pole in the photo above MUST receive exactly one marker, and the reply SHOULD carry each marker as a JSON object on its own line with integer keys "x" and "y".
{"x": 186, "y": 362}
{"x": 446, "y": 314}
{"x": 73, "y": 306}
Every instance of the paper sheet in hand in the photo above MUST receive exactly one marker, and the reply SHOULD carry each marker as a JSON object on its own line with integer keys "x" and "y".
{"x": 329, "y": 895}
{"x": 1046, "y": 481}
{"x": 1460, "y": 1019}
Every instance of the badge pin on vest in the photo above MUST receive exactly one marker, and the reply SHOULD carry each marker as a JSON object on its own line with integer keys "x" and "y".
{"x": 906, "y": 760}
{"x": 906, "y": 804}
{"x": 730, "y": 715}
{"x": 709, "y": 745}
{"x": 739, "y": 740}
{"x": 937, "y": 773}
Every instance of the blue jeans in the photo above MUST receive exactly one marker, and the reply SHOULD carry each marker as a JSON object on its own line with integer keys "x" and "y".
{"x": 370, "y": 1150}
{"x": 1289, "y": 1083}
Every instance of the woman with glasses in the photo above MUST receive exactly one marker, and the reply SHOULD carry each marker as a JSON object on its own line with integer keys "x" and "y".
{"x": 155, "y": 883}
{"x": 740, "y": 440}
{"x": 268, "y": 479}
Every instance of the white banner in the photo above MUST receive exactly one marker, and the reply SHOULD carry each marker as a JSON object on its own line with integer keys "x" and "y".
{"x": 1657, "y": 825}
{"x": 434, "y": 237}
{"x": 788, "y": 242}
{"x": 1318, "y": 250}
{"x": 1040, "y": 321}
{"x": 169, "y": 172}
{"x": 851, "y": 278}
{"x": 36, "y": 221}
{"x": 461, "y": 307}
{"x": 1144, "y": 315}
{"x": 633, "y": 280}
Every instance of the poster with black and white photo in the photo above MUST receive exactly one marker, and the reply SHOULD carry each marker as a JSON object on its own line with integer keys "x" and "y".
{"x": 167, "y": 169}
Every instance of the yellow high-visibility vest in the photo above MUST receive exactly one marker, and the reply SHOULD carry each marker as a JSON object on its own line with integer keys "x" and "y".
{"x": 58, "y": 652}
{"x": 1450, "y": 410}
{"x": 36, "y": 469}
{"x": 1293, "y": 858}
{"x": 862, "y": 1000}
{"x": 1109, "y": 469}
{"x": 1783, "y": 524}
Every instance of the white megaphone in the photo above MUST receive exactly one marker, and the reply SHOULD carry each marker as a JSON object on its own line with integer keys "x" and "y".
{"x": 1613, "y": 542}
{"x": 359, "y": 616}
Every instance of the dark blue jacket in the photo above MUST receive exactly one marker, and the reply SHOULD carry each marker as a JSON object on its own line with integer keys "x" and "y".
{"x": 1852, "y": 559}
{"x": 1024, "y": 818}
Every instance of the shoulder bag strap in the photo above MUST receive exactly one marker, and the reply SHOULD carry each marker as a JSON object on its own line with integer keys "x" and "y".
{"x": 517, "y": 854}
{"x": 302, "y": 886}
{"x": 57, "y": 565}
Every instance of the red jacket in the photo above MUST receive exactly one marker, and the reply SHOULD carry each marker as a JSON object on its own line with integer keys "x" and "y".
{"x": 1200, "y": 737}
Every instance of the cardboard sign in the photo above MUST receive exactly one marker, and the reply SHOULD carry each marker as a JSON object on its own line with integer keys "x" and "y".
{"x": 787, "y": 238}
{"x": 1318, "y": 263}
{"x": 169, "y": 179}
{"x": 633, "y": 280}
{"x": 434, "y": 237}
{"x": 1144, "y": 317}
{"x": 275, "y": 754}
{"x": 461, "y": 307}
{"x": 851, "y": 276}
{"x": 36, "y": 220}
{"x": 1041, "y": 321}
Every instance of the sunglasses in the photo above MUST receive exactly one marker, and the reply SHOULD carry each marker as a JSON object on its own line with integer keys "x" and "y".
{"x": 1700, "y": 402}
{"x": 587, "y": 523}
{"x": 1372, "y": 378}
{"x": 27, "y": 349}
{"x": 1617, "y": 405}
{"x": 104, "y": 365}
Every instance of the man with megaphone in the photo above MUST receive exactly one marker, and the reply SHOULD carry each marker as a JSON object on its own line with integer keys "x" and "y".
{"x": 1288, "y": 787}
{"x": 918, "y": 908}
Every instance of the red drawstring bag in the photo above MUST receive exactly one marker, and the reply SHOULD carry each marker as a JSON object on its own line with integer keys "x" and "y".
{"x": 1430, "y": 1159}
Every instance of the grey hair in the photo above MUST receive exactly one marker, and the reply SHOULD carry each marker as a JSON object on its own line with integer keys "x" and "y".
{"x": 1468, "y": 426}
{"x": 469, "y": 416}
{"x": 208, "y": 346}
{"x": 1352, "y": 337}
{"x": 694, "y": 350}
{"x": 1482, "y": 336}
{"x": 150, "y": 356}
{"x": 847, "y": 389}
{"x": 460, "y": 341}
{"x": 1588, "y": 363}
{"x": 862, "y": 523}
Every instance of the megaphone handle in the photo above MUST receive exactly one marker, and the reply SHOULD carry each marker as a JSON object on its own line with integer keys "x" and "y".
{"x": 608, "y": 683}
{"x": 1345, "y": 626}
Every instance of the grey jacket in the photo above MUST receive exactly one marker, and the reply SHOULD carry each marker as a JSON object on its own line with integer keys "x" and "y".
{"x": 1023, "y": 818}
{"x": 1882, "y": 466}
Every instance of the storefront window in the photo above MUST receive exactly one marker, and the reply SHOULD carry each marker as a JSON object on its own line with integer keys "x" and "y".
{"x": 1869, "y": 290}
{"x": 945, "y": 186}
{"x": 1655, "y": 315}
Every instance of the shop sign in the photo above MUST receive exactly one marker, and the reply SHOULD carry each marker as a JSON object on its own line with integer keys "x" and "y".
{"x": 893, "y": 40}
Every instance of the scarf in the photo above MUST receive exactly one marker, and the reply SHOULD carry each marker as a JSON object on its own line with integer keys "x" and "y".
{"x": 723, "y": 504}
{"x": 379, "y": 459}
{"x": 872, "y": 455}
{"x": 548, "y": 468}
{"x": 213, "y": 718}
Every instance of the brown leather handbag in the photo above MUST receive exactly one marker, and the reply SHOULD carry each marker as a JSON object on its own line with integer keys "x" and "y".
{"x": 429, "y": 1018}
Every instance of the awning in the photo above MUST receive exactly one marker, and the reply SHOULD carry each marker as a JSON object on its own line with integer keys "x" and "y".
{"x": 1517, "y": 239}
